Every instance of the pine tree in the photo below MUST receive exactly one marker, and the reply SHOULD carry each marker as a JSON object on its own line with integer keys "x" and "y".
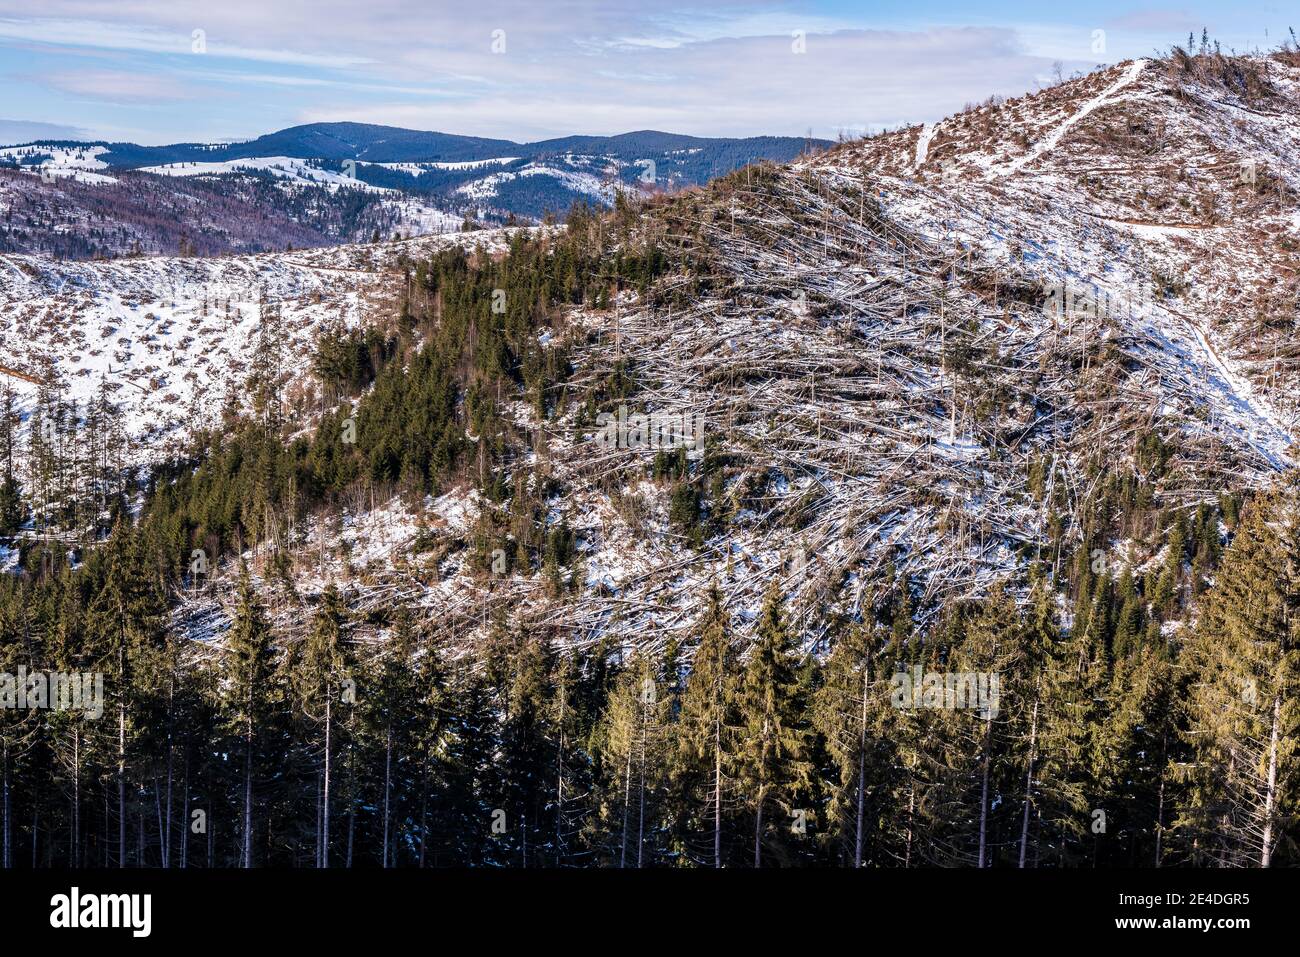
{"x": 631, "y": 737}
{"x": 323, "y": 686}
{"x": 703, "y": 765}
{"x": 1242, "y": 713}
{"x": 250, "y": 667}
{"x": 772, "y": 758}
{"x": 1072, "y": 704}
{"x": 850, "y": 714}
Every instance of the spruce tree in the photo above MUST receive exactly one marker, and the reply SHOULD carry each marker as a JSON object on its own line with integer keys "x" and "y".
{"x": 703, "y": 765}
{"x": 248, "y": 694}
{"x": 527, "y": 747}
{"x": 391, "y": 716}
{"x": 127, "y": 618}
{"x": 772, "y": 756}
{"x": 1242, "y": 712}
{"x": 321, "y": 675}
{"x": 631, "y": 736}
{"x": 850, "y": 714}
{"x": 1072, "y": 696}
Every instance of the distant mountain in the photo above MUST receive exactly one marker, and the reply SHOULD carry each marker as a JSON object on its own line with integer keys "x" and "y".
{"x": 333, "y": 179}
{"x": 390, "y": 144}
{"x": 70, "y": 218}
{"x": 329, "y": 141}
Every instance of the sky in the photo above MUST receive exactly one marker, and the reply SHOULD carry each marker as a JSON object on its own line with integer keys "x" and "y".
{"x": 155, "y": 72}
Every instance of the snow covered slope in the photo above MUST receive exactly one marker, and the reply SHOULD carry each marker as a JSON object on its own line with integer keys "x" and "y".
{"x": 1158, "y": 190}
{"x": 51, "y": 162}
{"x": 75, "y": 213}
{"x": 579, "y": 182}
{"x": 286, "y": 168}
{"x": 887, "y": 350}
{"x": 170, "y": 338}
{"x": 916, "y": 357}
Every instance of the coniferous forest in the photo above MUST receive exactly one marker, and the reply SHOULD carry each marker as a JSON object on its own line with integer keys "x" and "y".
{"x": 706, "y": 471}
{"x": 1135, "y": 717}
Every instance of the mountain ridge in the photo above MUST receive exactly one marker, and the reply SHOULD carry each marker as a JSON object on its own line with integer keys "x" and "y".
{"x": 390, "y": 144}
{"x": 898, "y": 302}
{"x": 322, "y": 183}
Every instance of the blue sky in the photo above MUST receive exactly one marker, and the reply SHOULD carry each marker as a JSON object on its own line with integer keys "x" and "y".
{"x": 184, "y": 70}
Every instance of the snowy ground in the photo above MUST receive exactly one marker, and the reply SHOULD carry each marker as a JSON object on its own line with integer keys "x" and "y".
{"x": 287, "y": 168}
{"x": 820, "y": 361}
{"x": 585, "y": 183}
{"x": 169, "y": 337}
{"x": 77, "y": 163}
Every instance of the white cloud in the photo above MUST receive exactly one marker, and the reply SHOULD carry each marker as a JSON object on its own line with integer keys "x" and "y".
{"x": 115, "y": 85}
{"x": 113, "y": 36}
{"x": 744, "y": 87}
{"x": 24, "y": 131}
{"x": 597, "y": 66}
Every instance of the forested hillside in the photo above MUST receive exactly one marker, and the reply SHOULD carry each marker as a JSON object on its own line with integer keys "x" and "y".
{"x": 138, "y": 214}
{"x": 958, "y": 573}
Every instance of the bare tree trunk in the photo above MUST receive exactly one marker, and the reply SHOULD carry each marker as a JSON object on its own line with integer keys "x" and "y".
{"x": 388, "y": 783}
{"x": 318, "y": 813}
{"x": 984, "y": 790}
{"x": 559, "y": 787}
{"x": 5, "y": 858}
{"x": 1029, "y": 783}
{"x": 162, "y": 832}
{"x": 911, "y": 816}
{"x": 247, "y": 855}
{"x": 640, "y": 826}
{"x": 627, "y": 803}
{"x": 1160, "y": 800}
{"x": 351, "y": 776}
{"x": 862, "y": 772}
{"x": 352, "y": 830}
{"x": 325, "y": 814}
{"x": 1270, "y": 796}
{"x": 121, "y": 769}
{"x": 424, "y": 806}
{"x": 76, "y": 795}
{"x": 717, "y": 791}
{"x": 758, "y": 816}
{"x": 185, "y": 822}
{"x": 167, "y": 839}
